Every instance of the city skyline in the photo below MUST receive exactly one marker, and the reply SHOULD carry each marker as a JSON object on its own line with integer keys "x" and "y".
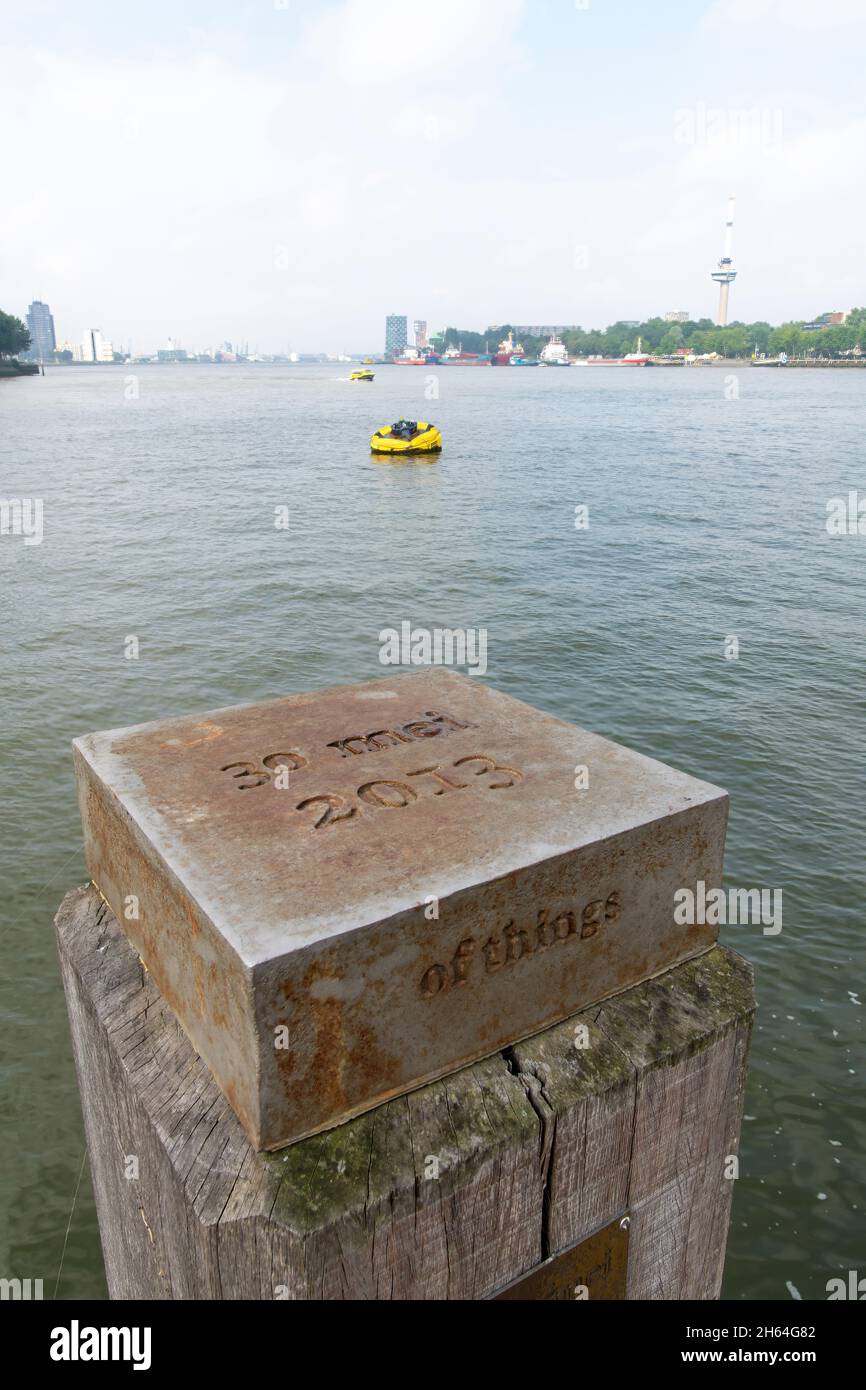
{"x": 92, "y": 346}
{"x": 260, "y": 188}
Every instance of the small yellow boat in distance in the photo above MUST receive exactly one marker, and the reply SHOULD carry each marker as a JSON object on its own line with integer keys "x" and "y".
{"x": 407, "y": 437}
{"x": 363, "y": 375}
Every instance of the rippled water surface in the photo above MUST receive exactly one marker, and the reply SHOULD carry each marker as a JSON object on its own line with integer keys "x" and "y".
{"x": 707, "y": 520}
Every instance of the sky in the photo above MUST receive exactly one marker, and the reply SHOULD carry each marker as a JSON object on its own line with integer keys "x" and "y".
{"x": 288, "y": 172}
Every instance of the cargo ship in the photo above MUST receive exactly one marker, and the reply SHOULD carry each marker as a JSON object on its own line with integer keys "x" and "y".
{"x": 416, "y": 357}
{"x": 506, "y": 350}
{"x": 555, "y": 354}
{"x": 456, "y": 357}
{"x": 631, "y": 359}
{"x": 512, "y": 354}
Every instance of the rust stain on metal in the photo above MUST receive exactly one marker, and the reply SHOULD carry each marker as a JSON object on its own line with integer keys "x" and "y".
{"x": 201, "y": 733}
{"x": 395, "y": 879}
{"x": 592, "y": 1271}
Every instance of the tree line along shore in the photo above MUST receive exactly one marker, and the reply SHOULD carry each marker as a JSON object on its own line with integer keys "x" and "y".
{"x": 843, "y": 343}
{"x": 660, "y": 337}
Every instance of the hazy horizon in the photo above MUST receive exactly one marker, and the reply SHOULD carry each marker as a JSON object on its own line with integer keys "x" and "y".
{"x": 288, "y": 175}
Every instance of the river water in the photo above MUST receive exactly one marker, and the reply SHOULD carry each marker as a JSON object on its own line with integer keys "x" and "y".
{"x": 707, "y": 493}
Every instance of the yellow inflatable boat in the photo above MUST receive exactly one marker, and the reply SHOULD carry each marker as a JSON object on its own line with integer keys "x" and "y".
{"x": 407, "y": 437}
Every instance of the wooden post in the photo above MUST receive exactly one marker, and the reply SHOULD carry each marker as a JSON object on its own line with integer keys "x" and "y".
{"x": 630, "y": 1109}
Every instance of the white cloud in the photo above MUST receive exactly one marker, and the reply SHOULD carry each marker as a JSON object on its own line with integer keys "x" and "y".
{"x": 274, "y": 195}
{"x": 307, "y": 294}
{"x": 798, "y": 14}
{"x": 409, "y": 43}
{"x": 519, "y": 255}
{"x": 176, "y": 192}
{"x": 112, "y": 135}
{"x": 419, "y": 120}
{"x": 821, "y": 165}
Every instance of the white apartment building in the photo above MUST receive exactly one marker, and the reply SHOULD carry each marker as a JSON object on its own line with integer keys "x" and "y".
{"x": 95, "y": 348}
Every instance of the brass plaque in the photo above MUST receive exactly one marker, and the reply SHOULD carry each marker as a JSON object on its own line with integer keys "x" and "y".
{"x": 594, "y": 1269}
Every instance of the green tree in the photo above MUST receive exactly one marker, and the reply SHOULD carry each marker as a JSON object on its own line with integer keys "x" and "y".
{"x": 736, "y": 340}
{"x": 790, "y": 338}
{"x": 14, "y": 337}
{"x": 650, "y": 333}
{"x": 702, "y": 340}
{"x": 698, "y": 335}
{"x": 759, "y": 336}
{"x": 469, "y": 340}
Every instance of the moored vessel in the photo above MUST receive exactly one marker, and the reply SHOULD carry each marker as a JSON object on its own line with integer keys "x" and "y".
{"x": 456, "y": 357}
{"x": 631, "y": 359}
{"x": 555, "y": 353}
{"x": 508, "y": 349}
{"x": 417, "y": 357}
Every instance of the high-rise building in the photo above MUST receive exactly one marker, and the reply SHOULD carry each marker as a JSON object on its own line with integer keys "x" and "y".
{"x": 41, "y": 325}
{"x": 420, "y": 332}
{"x": 677, "y": 316}
{"x": 396, "y": 334}
{"x": 95, "y": 348}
